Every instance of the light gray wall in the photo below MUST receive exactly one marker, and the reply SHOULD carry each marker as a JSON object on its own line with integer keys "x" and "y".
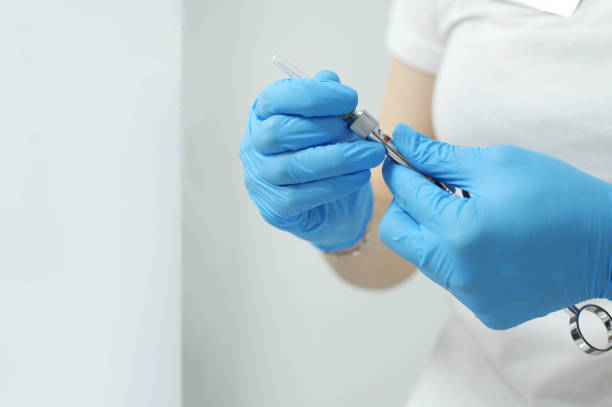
{"x": 90, "y": 153}
{"x": 266, "y": 322}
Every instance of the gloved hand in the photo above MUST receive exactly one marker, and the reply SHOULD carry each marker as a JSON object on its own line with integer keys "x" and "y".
{"x": 306, "y": 172}
{"x": 535, "y": 236}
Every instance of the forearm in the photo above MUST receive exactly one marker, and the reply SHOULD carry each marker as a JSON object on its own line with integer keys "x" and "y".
{"x": 375, "y": 266}
{"x": 407, "y": 99}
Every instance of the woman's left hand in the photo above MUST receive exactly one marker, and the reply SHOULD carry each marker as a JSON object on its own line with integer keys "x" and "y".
{"x": 535, "y": 236}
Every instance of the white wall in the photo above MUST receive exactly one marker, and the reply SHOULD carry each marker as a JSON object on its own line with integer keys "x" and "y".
{"x": 90, "y": 150}
{"x": 266, "y": 322}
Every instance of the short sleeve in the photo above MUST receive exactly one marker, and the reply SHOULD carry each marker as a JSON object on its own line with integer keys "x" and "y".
{"x": 413, "y": 36}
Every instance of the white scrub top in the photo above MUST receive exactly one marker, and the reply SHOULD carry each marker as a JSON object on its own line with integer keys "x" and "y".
{"x": 510, "y": 74}
{"x": 89, "y": 203}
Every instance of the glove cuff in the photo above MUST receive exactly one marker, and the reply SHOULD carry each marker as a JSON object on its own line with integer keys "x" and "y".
{"x": 357, "y": 242}
{"x": 354, "y": 250}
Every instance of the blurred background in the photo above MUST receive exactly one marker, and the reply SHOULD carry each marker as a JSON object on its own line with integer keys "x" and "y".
{"x": 266, "y": 322}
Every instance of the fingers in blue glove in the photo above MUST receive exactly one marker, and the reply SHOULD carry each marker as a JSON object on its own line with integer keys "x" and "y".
{"x": 402, "y": 234}
{"x": 501, "y": 251}
{"x": 419, "y": 197}
{"x": 318, "y": 162}
{"x": 322, "y": 96}
{"x": 280, "y": 133}
{"x": 326, "y": 75}
{"x": 304, "y": 169}
{"x": 445, "y": 162}
{"x": 284, "y": 202}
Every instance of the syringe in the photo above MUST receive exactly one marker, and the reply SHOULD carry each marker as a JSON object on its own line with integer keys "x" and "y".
{"x": 367, "y": 127}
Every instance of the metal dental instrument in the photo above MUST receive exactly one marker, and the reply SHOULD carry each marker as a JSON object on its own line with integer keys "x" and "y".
{"x": 366, "y": 126}
{"x": 578, "y": 336}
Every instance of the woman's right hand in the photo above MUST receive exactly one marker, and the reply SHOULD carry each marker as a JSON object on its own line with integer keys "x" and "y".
{"x": 306, "y": 172}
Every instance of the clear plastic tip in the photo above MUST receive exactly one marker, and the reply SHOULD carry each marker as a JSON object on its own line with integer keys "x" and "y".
{"x": 288, "y": 68}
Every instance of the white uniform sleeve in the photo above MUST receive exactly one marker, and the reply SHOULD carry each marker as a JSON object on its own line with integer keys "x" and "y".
{"x": 413, "y": 36}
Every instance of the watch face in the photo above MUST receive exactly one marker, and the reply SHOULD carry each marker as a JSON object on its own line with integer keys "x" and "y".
{"x": 560, "y": 7}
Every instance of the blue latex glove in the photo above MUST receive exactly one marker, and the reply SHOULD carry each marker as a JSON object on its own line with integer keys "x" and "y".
{"x": 306, "y": 172}
{"x": 535, "y": 236}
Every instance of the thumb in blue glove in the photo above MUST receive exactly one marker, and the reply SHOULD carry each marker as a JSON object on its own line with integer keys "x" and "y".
{"x": 535, "y": 236}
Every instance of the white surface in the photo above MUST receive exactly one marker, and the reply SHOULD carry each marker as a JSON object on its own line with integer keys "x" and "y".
{"x": 266, "y": 322}
{"x": 513, "y": 75}
{"x": 89, "y": 203}
{"x": 561, "y": 7}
